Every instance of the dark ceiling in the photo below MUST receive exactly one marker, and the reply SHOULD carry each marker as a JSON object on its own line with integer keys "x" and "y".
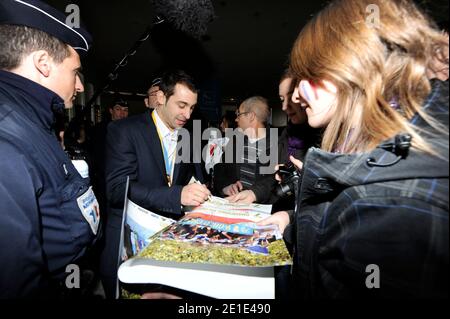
{"x": 244, "y": 52}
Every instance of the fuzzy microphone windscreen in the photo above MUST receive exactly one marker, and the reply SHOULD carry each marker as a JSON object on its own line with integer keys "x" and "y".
{"x": 190, "y": 16}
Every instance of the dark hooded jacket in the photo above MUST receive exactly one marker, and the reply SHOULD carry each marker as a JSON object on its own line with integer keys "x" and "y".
{"x": 359, "y": 226}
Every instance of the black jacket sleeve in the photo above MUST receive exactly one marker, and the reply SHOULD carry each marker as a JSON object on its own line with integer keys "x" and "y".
{"x": 224, "y": 175}
{"x": 22, "y": 265}
{"x": 263, "y": 188}
{"x": 121, "y": 162}
{"x": 226, "y": 172}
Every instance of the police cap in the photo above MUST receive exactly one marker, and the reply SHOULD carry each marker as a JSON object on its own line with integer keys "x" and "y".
{"x": 39, "y": 15}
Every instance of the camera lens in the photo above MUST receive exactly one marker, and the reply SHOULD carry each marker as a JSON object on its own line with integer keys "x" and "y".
{"x": 284, "y": 190}
{"x": 290, "y": 178}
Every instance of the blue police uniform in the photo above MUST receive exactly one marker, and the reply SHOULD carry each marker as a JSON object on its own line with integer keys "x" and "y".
{"x": 48, "y": 215}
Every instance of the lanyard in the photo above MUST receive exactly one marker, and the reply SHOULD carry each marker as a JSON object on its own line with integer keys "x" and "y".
{"x": 169, "y": 164}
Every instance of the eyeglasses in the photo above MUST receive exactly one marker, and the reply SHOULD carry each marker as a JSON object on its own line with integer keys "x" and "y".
{"x": 239, "y": 113}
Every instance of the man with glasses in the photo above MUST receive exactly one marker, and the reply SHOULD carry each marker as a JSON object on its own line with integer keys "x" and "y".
{"x": 242, "y": 181}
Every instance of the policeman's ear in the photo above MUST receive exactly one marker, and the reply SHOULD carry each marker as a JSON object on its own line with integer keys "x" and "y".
{"x": 43, "y": 62}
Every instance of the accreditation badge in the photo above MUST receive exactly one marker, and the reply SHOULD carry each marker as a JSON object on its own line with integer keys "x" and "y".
{"x": 90, "y": 209}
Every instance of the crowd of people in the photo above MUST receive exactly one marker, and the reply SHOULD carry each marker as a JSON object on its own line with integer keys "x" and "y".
{"x": 367, "y": 135}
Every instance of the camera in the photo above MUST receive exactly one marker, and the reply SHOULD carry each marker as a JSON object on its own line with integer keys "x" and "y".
{"x": 290, "y": 179}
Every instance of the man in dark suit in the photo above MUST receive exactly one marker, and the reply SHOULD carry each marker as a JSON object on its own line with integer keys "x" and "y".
{"x": 143, "y": 147}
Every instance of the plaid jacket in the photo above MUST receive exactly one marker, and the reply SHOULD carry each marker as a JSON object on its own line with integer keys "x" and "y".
{"x": 353, "y": 215}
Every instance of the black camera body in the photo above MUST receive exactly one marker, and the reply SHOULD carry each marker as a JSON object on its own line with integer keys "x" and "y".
{"x": 290, "y": 179}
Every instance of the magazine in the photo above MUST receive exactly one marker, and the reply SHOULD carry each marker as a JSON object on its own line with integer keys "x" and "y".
{"x": 218, "y": 232}
{"x": 216, "y": 242}
{"x": 140, "y": 227}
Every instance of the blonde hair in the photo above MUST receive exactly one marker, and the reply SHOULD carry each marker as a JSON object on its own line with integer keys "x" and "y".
{"x": 371, "y": 65}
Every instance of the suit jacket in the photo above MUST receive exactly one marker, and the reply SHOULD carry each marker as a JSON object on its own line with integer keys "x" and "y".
{"x": 134, "y": 149}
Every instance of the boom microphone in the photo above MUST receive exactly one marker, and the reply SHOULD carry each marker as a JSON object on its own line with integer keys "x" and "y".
{"x": 189, "y": 16}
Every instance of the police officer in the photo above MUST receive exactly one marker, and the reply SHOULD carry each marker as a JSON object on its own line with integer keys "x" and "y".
{"x": 48, "y": 213}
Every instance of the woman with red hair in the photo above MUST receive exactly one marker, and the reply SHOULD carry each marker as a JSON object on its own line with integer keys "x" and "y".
{"x": 372, "y": 215}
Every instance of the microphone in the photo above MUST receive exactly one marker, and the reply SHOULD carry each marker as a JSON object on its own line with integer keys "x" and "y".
{"x": 189, "y": 16}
